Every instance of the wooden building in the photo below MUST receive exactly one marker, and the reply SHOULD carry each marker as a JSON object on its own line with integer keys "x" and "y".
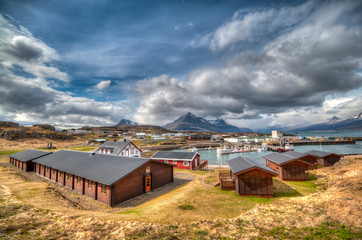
{"x": 122, "y": 148}
{"x": 107, "y": 178}
{"x": 24, "y": 159}
{"x": 324, "y": 159}
{"x": 290, "y": 167}
{"x": 182, "y": 160}
{"x": 200, "y": 136}
{"x": 251, "y": 177}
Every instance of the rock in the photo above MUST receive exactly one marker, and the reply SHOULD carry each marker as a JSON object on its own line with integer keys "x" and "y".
{"x": 9, "y": 124}
{"x": 45, "y": 126}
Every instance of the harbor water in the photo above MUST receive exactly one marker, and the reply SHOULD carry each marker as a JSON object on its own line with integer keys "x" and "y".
{"x": 216, "y": 159}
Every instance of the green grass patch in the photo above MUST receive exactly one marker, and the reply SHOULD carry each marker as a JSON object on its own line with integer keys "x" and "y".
{"x": 328, "y": 230}
{"x": 8, "y": 152}
{"x": 186, "y": 207}
{"x": 129, "y": 212}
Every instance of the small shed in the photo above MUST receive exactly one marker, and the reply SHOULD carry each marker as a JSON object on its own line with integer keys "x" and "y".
{"x": 182, "y": 160}
{"x": 324, "y": 159}
{"x": 24, "y": 159}
{"x": 290, "y": 167}
{"x": 252, "y": 178}
{"x": 110, "y": 179}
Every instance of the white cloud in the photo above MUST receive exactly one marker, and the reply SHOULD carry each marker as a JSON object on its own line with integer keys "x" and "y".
{"x": 316, "y": 58}
{"x": 103, "y": 85}
{"x": 33, "y": 98}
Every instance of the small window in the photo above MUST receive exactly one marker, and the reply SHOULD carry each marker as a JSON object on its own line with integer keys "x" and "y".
{"x": 47, "y": 169}
{"x": 104, "y": 189}
{"x": 60, "y": 174}
{"x": 89, "y": 184}
{"x": 174, "y": 162}
{"x": 166, "y": 161}
{"x": 186, "y": 163}
{"x": 54, "y": 171}
{"x": 78, "y": 180}
{"x": 148, "y": 169}
{"x": 68, "y": 176}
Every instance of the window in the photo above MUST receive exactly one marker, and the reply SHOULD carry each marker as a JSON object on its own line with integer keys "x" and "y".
{"x": 148, "y": 169}
{"x": 78, "y": 180}
{"x": 89, "y": 184}
{"x": 166, "y": 161}
{"x": 54, "y": 171}
{"x": 60, "y": 174}
{"x": 47, "y": 169}
{"x": 104, "y": 189}
{"x": 174, "y": 162}
{"x": 186, "y": 163}
{"x": 68, "y": 176}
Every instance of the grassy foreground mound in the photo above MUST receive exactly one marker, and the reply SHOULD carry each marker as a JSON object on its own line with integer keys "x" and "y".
{"x": 332, "y": 212}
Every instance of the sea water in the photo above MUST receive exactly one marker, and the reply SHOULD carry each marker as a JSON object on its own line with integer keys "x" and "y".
{"x": 214, "y": 158}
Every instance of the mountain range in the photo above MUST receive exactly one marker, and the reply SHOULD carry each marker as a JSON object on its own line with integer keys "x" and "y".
{"x": 126, "y": 122}
{"x": 335, "y": 123}
{"x": 190, "y": 122}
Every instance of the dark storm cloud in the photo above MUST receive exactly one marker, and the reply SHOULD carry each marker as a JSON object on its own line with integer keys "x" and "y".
{"x": 26, "y": 94}
{"x": 297, "y": 69}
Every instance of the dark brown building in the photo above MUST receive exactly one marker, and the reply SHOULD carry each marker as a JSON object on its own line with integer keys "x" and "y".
{"x": 324, "y": 159}
{"x": 24, "y": 159}
{"x": 252, "y": 178}
{"x": 289, "y": 166}
{"x": 107, "y": 178}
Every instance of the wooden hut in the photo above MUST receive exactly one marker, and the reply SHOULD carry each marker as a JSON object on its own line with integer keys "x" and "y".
{"x": 110, "y": 179}
{"x": 290, "y": 167}
{"x": 324, "y": 159}
{"x": 24, "y": 159}
{"x": 252, "y": 178}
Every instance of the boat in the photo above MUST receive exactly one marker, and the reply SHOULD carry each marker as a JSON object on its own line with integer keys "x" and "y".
{"x": 193, "y": 149}
{"x": 223, "y": 150}
{"x": 262, "y": 149}
{"x": 287, "y": 148}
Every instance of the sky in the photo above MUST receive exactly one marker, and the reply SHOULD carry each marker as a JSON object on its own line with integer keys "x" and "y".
{"x": 252, "y": 63}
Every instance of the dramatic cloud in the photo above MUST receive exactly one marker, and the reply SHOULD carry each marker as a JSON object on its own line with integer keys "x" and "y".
{"x": 103, "y": 85}
{"x": 28, "y": 73}
{"x": 317, "y": 57}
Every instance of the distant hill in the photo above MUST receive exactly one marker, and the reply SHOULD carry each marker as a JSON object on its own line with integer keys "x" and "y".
{"x": 126, "y": 122}
{"x": 192, "y": 123}
{"x": 354, "y": 123}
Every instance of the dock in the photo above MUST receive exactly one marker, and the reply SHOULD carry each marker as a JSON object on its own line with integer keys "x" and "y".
{"x": 324, "y": 142}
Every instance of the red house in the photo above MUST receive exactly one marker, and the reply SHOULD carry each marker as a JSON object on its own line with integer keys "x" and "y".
{"x": 182, "y": 160}
{"x": 324, "y": 159}
{"x": 290, "y": 167}
{"x": 24, "y": 159}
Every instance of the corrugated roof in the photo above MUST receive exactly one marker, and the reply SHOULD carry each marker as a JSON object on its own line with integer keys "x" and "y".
{"x": 319, "y": 153}
{"x": 188, "y": 156}
{"x": 240, "y": 164}
{"x": 102, "y": 168}
{"x": 28, "y": 155}
{"x": 115, "y": 147}
{"x": 281, "y": 158}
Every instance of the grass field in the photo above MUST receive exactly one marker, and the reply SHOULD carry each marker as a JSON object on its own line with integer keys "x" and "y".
{"x": 202, "y": 201}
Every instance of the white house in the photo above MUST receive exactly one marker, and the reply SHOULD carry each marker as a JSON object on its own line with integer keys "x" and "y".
{"x": 125, "y": 148}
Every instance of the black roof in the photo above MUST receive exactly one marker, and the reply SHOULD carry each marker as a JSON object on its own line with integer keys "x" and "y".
{"x": 281, "y": 158}
{"x": 319, "y": 153}
{"x": 28, "y": 155}
{"x": 102, "y": 168}
{"x": 241, "y": 164}
{"x": 188, "y": 156}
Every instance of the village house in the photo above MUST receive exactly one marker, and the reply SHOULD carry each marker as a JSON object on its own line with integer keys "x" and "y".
{"x": 324, "y": 159}
{"x": 121, "y": 148}
{"x": 24, "y": 159}
{"x": 182, "y": 160}
{"x": 199, "y": 136}
{"x": 290, "y": 166}
{"x": 109, "y": 179}
{"x": 251, "y": 177}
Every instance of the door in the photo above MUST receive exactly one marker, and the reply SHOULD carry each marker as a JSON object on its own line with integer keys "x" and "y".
{"x": 148, "y": 183}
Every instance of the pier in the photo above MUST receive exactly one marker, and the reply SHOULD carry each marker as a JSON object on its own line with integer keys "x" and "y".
{"x": 324, "y": 142}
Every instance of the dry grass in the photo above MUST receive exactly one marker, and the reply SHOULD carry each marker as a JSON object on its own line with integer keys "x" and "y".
{"x": 331, "y": 213}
